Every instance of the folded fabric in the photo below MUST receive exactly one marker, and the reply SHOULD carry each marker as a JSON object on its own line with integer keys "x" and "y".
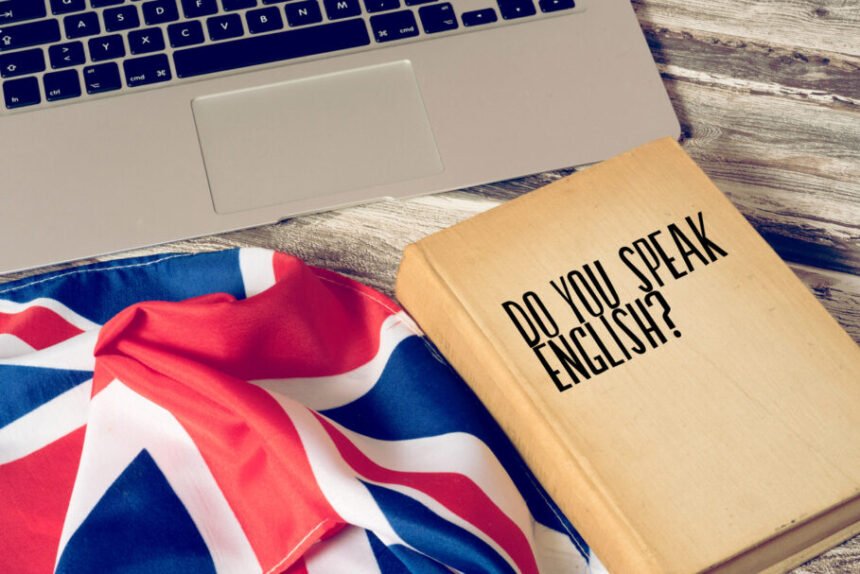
{"x": 242, "y": 412}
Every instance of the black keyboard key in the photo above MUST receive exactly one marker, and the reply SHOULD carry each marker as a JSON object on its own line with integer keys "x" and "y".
{"x": 198, "y": 8}
{"x": 65, "y": 55}
{"x": 106, "y": 48}
{"x": 555, "y": 5}
{"x": 145, "y": 41}
{"x": 118, "y": 19}
{"x": 62, "y": 85}
{"x": 270, "y": 48}
{"x": 22, "y": 63}
{"x": 417, "y": 2}
{"x": 337, "y": 9}
{"x": 159, "y": 12}
{"x": 102, "y": 78}
{"x": 13, "y": 11}
{"x": 273, "y": 1}
{"x": 103, "y": 3}
{"x": 381, "y": 5}
{"x": 301, "y": 13}
{"x": 394, "y": 26}
{"x": 80, "y": 25}
{"x": 22, "y": 92}
{"x": 437, "y": 18}
{"x": 225, "y": 27}
{"x": 146, "y": 70}
{"x": 264, "y": 20}
{"x": 478, "y": 17}
{"x": 511, "y": 9}
{"x": 238, "y": 4}
{"x": 66, "y": 6}
{"x": 185, "y": 34}
{"x": 31, "y": 34}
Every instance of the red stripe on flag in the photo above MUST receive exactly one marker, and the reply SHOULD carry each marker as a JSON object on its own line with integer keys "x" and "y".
{"x": 456, "y": 492}
{"x": 35, "y": 491}
{"x": 38, "y": 327}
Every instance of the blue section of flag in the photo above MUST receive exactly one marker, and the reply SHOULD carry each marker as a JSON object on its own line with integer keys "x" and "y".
{"x": 386, "y": 560}
{"x": 154, "y": 278}
{"x": 138, "y": 527}
{"x": 430, "y": 534}
{"x": 26, "y": 388}
{"x": 400, "y": 406}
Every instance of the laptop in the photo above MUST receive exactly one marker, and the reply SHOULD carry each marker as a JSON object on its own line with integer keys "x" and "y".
{"x": 127, "y": 123}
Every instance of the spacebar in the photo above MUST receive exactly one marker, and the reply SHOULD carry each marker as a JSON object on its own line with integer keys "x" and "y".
{"x": 270, "y": 48}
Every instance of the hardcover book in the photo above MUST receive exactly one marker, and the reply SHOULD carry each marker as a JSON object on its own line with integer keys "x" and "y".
{"x": 678, "y": 391}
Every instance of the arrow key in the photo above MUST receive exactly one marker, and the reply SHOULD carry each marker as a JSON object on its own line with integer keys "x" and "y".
{"x": 102, "y": 78}
{"x": 21, "y": 63}
{"x": 65, "y": 55}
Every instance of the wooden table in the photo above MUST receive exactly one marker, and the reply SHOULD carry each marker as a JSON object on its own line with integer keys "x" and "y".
{"x": 768, "y": 93}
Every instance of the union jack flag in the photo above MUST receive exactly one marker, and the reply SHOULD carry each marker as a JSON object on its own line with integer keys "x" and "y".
{"x": 242, "y": 412}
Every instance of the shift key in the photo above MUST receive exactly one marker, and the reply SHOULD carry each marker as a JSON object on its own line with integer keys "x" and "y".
{"x": 394, "y": 26}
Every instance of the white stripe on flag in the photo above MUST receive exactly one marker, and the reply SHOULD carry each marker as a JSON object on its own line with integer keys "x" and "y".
{"x": 121, "y": 424}
{"x": 258, "y": 271}
{"x": 321, "y": 393}
{"x": 82, "y": 323}
{"x": 459, "y": 453}
{"x": 12, "y": 346}
{"x": 555, "y": 552}
{"x": 349, "y": 498}
{"x": 48, "y": 422}
{"x": 348, "y": 551}
{"x": 75, "y": 354}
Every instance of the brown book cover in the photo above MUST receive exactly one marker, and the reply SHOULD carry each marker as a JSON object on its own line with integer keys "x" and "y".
{"x": 680, "y": 393}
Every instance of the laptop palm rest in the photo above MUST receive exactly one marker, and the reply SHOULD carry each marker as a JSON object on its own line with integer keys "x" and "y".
{"x": 312, "y": 141}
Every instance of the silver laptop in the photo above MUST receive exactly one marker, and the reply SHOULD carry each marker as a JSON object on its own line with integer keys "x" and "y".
{"x": 133, "y": 122}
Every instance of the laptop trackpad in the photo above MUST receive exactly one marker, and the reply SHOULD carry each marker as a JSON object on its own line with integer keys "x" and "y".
{"x": 315, "y": 142}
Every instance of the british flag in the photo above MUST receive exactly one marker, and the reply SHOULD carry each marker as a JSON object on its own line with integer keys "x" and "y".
{"x": 242, "y": 412}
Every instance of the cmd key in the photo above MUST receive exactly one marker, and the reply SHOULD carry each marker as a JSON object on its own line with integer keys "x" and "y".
{"x": 31, "y": 34}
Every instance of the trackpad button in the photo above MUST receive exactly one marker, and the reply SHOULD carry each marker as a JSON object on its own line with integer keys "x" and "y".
{"x": 315, "y": 142}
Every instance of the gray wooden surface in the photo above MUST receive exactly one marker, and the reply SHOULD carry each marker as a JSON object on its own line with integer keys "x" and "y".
{"x": 768, "y": 93}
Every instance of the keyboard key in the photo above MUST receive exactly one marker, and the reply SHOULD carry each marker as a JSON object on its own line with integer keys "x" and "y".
{"x": 381, "y": 5}
{"x": 124, "y": 18}
{"x": 185, "y": 34}
{"x": 437, "y": 18}
{"x": 80, "y": 25}
{"x": 106, "y": 48}
{"x": 394, "y": 26}
{"x": 32, "y": 34}
{"x": 478, "y": 17}
{"x": 341, "y": 8}
{"x": 511, "y": 9}
{"x": 66, "y": 6}
{"x": 22, "y": 63}
{"x": 147, "y": 70}
{"x": 198, "y": 8}
{"x": 20, "y": 93}
{"x": 555, "y": 5}
{"x": 224, "y": 27}
{"x": 417, "y": 2}
{"x": 238, "y": 4}
{"x": 264, "y": 20}
{"x": 159, "y": 12}
{"x": 270, "y": 48}
{"x": 19, "y": 10}
{"x": 62, "y": 85}
{"x": 102, "y": 78}
{"x": 145, "y": 41}
{"x": 103, "y": 3}
{"x": 65, "y": 55}
{"x": 301, "y": 13}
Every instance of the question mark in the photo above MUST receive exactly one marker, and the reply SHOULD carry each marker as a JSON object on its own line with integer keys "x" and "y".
{"x": 666, "y": 310}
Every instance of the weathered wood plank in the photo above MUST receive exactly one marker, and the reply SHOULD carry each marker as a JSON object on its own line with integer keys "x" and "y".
{"x": 829, "y": 25}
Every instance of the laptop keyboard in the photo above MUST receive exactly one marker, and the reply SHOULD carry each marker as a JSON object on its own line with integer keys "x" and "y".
{"x": 54, "y": 51}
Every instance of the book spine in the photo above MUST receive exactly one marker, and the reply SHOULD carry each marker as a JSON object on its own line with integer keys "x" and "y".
{"x": 567, "y": 477}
